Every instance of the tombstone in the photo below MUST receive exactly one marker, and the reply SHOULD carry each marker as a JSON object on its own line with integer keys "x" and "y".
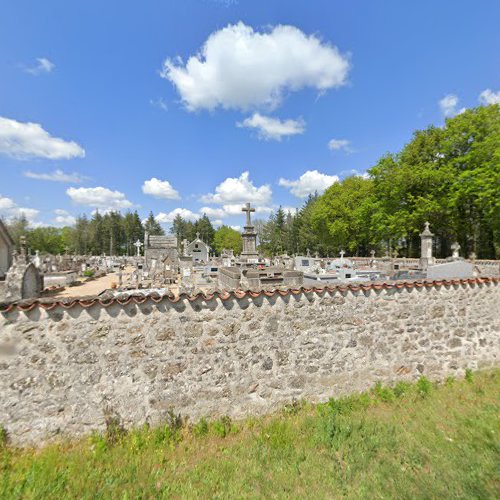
{"x": 138, "y": 246}
{"x": 455, "y": 248}
{"x": 426, "y": 258}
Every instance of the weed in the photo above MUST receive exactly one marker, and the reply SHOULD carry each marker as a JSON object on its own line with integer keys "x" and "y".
{"x": 201, "y": 427}
{"x": 401, "y": 388}
{"x": 114, "y": 430}
{"x": 384, "y": 393}
{"x": 223, "y": 426}
{"x": 294, "y": 407}
{"x": 469, "y": 376}
{"x": 449, "y": 381}
{"x": 424, "y": 386}
{"x": 175, "y": 422}
{"x": 4, "y": 436}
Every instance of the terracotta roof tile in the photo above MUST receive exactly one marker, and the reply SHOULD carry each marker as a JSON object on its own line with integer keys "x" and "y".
{"x": 140, "y": 298}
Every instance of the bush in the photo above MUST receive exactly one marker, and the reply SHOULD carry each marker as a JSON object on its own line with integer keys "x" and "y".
{"x": 88, "y": 273}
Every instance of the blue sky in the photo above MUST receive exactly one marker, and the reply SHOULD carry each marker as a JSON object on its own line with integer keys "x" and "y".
{"x": 92, "y": 116}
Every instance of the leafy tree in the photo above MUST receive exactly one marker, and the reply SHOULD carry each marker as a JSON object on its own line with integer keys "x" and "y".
{"x": 17, "y": 227}
{"x": 227, "y": 237}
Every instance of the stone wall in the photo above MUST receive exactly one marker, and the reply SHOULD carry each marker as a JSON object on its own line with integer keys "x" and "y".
{"x": 66, "y": 366}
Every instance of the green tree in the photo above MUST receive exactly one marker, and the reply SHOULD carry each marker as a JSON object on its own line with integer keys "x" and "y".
{"x": 17, "y": 227}
{"x": 227, "y": 237}
{"x": 152, "y": 226}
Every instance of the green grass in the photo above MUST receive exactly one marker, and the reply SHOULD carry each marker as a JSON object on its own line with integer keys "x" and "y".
{"x": 419, "y": 440}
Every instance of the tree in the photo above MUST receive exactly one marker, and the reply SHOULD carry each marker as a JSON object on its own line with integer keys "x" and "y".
{"x": 227, "y": 237}
{"x": 152, "y": 226}
{"x": 206, "y": 230}
{"x": 17, "y": 227}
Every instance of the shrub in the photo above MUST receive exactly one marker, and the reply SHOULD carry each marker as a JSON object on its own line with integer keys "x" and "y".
{"x": 469, "y": 376}
{"x": 88, "y": 273}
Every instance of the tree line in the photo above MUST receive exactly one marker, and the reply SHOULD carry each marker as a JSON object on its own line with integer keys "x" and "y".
{"x": 449, "y": 176}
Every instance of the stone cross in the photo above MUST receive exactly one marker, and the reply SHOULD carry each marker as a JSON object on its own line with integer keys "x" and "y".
{"x": 342, "y": 253}
{"x": 138, "y": 245}
{"x": 455, "y": 248}
{"x": 372, "y": 253}
{"x": 248, "y": 209}
{"x": 197, "y": 236}
{"x": 22, "y": 241}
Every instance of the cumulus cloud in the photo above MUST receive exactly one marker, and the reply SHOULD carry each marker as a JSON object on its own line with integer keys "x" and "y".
{"x": 10, "y": 209}
{"x": 308, "y": 183}
{"x": 160, "y": 189}
{"x": 29, "y": 140}
{"x": 167, "y": 218}
{"x": 99, "y": 197}
{"x": 487, "y": 97}
{"x": 234, "y": 190}
{"x": 56, "y": 176}
{"x": 63, "y": 218}
{"x": 339, "y": 144}
{"x": 239, "y": 68}
{"x": 43, "y": 65}
{"x": 448, "y": 105}
{"x": 272, "y": 128}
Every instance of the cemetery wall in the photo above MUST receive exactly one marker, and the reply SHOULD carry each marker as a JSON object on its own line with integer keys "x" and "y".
{"x": 65, "y": 367}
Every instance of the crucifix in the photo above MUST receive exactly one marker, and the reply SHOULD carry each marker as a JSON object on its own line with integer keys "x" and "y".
{"x": 248, "y": 209}
{"x": 342, "y": 253}
{"x": 138, "y": 245}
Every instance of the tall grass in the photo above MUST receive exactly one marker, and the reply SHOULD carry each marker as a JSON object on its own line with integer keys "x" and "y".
{"x": 419, "y": 440}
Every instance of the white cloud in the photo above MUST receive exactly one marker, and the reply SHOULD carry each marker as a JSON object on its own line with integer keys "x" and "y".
{"x": 63, "y": 218}
{"x": 234, "y": 190}
{"x": 160, "y": 189}
{"x": 159, "y": 103}
{"x": 239, "y": 68}
{"x": 56, "y": 176}
{"x": 272, "y": 128}
{"x": 43, "y": 65}
{"x": 236, "y": 228}
{"x": 9, "y": 209}
{"x": 308, "y": 183}
{"x": 28, "y": 140}
{"x": 213, "y": 212}
{"x": 167, "y": 218}
{"x": 99, "y": 197}
{"x": 448, "y": 105}
{"x": 338, "y": 144}
{"x": 487, "y": 97}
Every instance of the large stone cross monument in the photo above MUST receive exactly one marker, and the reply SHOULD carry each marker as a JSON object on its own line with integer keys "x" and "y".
{"x": 249, "y": 236}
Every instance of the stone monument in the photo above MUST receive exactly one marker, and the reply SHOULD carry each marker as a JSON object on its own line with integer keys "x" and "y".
{"x": 249, "y": 237}
{"x": 426, "y": 258}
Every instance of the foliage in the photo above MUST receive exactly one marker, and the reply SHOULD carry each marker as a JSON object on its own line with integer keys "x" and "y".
{"x": 227, "y": 237}
{"x": 449, "y": 176}
{"x": 359, "y": 446}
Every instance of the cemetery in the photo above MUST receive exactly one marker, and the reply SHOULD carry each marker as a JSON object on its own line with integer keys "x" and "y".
{"x": 249, "y": 250}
